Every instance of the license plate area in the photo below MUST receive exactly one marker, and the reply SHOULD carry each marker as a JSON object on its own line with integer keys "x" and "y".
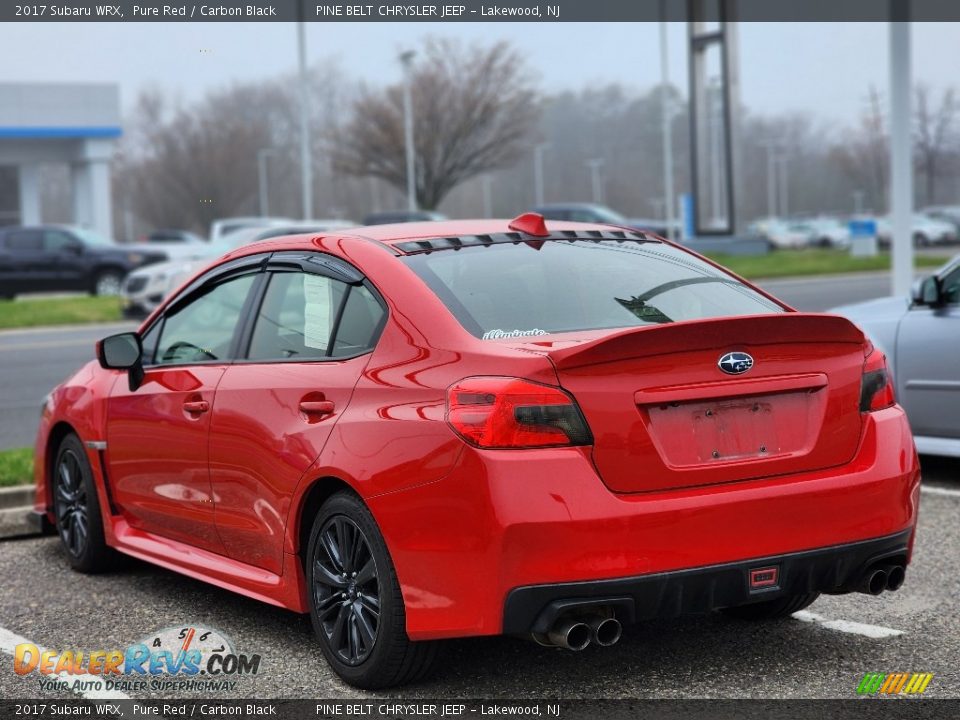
{"x": 731, "y": 430}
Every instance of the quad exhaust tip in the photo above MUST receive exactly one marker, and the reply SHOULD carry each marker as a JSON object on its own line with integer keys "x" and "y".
{"x": 606, "y": 631}
{"x": 571, "y": 634}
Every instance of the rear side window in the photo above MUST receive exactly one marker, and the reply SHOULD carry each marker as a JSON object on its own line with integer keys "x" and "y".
{"x": 526, "y": 289}
{"x": 305, "y": 316}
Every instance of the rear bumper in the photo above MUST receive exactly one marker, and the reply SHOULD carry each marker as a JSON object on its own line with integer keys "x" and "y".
{"x": 700, "y": 590}
{"x": 508, "y": 520}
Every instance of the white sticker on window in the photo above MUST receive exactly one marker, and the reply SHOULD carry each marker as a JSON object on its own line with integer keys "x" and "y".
{"x": 498, "y": 333}
{"x": 316, "y": 311}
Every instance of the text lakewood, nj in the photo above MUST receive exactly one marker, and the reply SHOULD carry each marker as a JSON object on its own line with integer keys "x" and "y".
{"x": 437, "y": 11}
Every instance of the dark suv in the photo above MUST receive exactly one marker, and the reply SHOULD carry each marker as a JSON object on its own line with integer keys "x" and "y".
{"x": 54, "y": 257}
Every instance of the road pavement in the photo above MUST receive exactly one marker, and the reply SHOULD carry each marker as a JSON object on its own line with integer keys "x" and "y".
{"x": 34, "y": 361}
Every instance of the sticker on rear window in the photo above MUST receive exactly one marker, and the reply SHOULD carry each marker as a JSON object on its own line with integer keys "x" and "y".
{"x": 498, "y": 333}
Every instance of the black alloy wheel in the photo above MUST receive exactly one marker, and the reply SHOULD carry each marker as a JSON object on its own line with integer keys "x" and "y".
{"x": 346, "y": 590}
{"x": 70, "y": 504}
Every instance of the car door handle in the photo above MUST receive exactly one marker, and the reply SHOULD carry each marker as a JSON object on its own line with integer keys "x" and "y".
{"x": 316, "y": 407}
{"x": 196, "y": 406}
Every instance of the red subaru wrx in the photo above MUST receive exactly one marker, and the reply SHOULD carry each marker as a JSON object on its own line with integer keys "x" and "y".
{"x": 438, "y": 430}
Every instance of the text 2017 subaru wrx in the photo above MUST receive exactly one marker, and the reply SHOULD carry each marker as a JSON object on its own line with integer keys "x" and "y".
{"x": 437, "y": 430}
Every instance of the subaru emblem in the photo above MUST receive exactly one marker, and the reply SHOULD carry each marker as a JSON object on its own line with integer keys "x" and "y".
{"x": 735, "y": 363}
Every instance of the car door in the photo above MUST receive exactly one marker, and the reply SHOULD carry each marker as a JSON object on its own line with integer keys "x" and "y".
{"x": 928, "y": 363}
{"x": 309, "y": 343}
{"x": 64, "y": 251}
{"x": 29, "y": 266}
{"x": 157, "y": 433}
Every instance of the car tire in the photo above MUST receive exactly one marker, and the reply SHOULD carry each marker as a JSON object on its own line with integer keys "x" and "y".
{"x": 355, "y": 602}
{"x": 7, "y": 296}
{"x": 76, "y": 506}
{"x": 108, "y": 283}
{"x": 772, "y": 609}
{"x": 920, "y": 240}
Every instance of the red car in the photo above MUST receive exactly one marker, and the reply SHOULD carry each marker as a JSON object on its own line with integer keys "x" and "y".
{"x": 438, "y": 430}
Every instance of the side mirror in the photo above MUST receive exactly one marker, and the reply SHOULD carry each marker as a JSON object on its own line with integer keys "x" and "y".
{"x": 929, "y": 292}
{"x": 123, "y": 352}
{"x": 916, "y": 291}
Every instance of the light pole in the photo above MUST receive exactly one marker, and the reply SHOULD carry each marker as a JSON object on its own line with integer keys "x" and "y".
{"x": 538, "y": 172}
{"x": 857, "y": 202}
{"x": 771, "y": 146}
{"x": 487, "y": 196}
{"x": 406, "y": 59}
{"x": 783, "y": 185}
{"x": 595, "y": 164}
{"x": 306, "y": 165}
{"x": 901, "y": 170}
{"x": 667, "y": 130}
{"x": 262, "y": 156}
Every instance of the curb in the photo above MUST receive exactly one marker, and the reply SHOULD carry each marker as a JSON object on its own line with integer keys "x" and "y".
{"x": 15, "y": 523}
{"x": 119, "y": 325}
{"x": 17, "y": 496}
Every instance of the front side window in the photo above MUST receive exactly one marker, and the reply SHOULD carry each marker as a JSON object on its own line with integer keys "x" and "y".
{"x": 526, "y": 289}
{"x": 202, "y": 330}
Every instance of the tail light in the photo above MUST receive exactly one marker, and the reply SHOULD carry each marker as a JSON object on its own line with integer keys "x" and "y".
{"x": 876, "y": 386}
{"x": 503, "y": 412}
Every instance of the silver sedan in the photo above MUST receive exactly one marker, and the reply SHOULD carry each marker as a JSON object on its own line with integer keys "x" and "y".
{"x": 921, "y": 338}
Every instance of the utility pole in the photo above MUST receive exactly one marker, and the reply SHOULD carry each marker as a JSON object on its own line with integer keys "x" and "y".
{"x": 306, "y": 164}
{"x": 784, "y": 188}
{"x": 262, "y": 156}
{"x": 771, "y": 147}
{"x": 595, "y": 164}
{"x": 666, "y": 124}
{"x": 538, "y": 172}
{"x": 406, "y": 59}
{"x": 901, "y": 166}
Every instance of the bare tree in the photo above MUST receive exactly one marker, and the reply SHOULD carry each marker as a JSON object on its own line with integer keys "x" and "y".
{"x": 864, "y": 154}
{"x": 474, "y": 111}
{"x": 933, "y": 135}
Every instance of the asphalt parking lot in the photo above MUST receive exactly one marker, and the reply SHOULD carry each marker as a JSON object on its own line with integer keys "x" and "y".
{"x": 824, "y": 654}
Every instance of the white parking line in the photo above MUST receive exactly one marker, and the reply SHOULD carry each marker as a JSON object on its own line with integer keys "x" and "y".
{"x": 8, "y": 644}
{"x": 847, "y": 626}
{"x": 934, "y": 490}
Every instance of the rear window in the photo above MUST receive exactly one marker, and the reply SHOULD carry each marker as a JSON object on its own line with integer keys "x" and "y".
{"x": 526, "y": 289}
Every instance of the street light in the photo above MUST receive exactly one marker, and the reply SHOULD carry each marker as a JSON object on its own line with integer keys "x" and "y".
{"x": 406, "y": 59}
{"x": 595, "y": 164}
{"x": 262, "y": 156}
{"x": 306, "y": 164}
{"x": 538, "y": 172}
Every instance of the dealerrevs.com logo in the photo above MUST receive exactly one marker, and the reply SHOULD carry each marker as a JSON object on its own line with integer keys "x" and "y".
{"x": 901, "y": 683}
{"x": 175, "y": 658}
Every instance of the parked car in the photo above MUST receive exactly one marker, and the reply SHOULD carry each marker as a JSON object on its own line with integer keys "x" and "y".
{"x": 402, "y": 216}
{"x": 225, "y": 226}
{"x": 469, "y": 428}
{"x": 173, "y": 236}
{"x": 581, "y": 212}
{"x": 655, "y": 226}
{"x": 780, "y": 233}
{"x": 925, "y": 231}
{"x": 144, "y": 289}
{"x": 48, "y": 258}
{"x": 920, "y": 336}
{"x": 947, "y": 213}
{"x": 822, "y": 231}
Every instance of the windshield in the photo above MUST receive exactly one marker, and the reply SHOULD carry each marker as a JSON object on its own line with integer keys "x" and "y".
{"x": 511, "y": 290}
{"x": 89, "y": 237}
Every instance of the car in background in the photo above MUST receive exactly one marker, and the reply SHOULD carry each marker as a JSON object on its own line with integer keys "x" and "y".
{"x": 581, "y": 212}
{"x": 173, "y": 236}
{"x": 145, "y": 289}
{"x": 947, "y": 213}
{"x": 402, "y": 216}
{"x": 480, "y": 428}
{"x": 822, "y": 231}
{"x": 920, "y": 336}
{"x": 225, "y": 226}
{"x": 925, "y": 231}
{"x": 63, "y": 258}
{"x": 780, "y": 233}
{"x": 655, "y": 226}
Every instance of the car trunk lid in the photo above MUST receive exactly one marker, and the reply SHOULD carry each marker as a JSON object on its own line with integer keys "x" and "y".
{"x": 664, "y": 415}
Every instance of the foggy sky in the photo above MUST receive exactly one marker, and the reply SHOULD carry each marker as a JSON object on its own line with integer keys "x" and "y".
{"x": 819, "y": 68}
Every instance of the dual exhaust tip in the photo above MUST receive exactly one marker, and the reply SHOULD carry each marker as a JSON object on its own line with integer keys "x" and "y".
{"x": 577, "y": 633}
{"x": 881, "y": 577}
